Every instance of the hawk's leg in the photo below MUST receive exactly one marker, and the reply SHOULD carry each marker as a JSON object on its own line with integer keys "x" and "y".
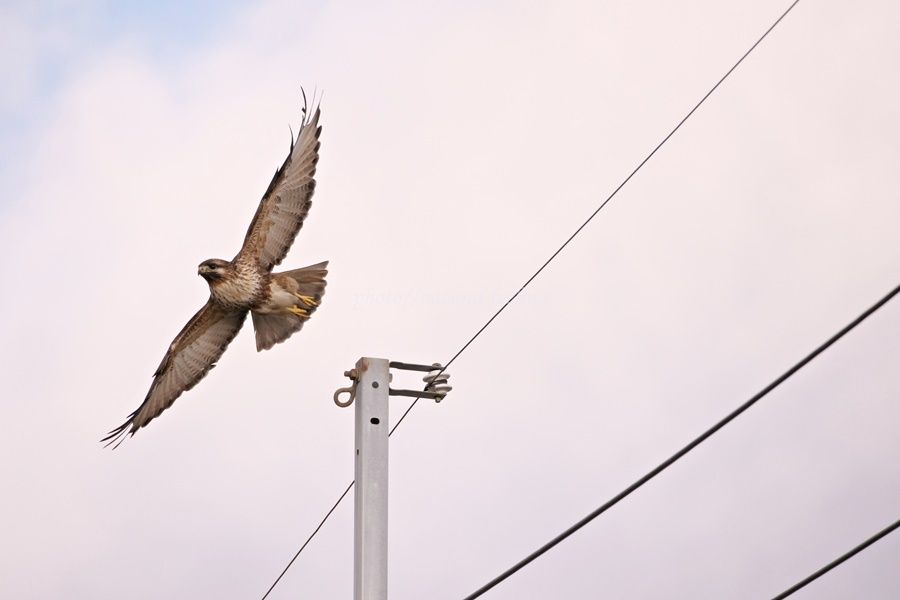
{"x": 307, "y": 300}
{"x": 300, "y": 312}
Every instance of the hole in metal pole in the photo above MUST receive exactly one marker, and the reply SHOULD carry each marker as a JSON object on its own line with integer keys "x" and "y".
{"x": 374, "y": 421}
{"x": 374, "y": 384}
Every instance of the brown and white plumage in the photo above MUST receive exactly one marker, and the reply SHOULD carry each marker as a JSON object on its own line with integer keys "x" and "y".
{"x": 274, "y": 325}
{"x": 285, "y": 204}
{"x": 279, "y": 302}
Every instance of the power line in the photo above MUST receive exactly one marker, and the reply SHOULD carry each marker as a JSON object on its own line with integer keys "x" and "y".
{"x": 331, "y": 510}
{"x": 308, "y": 540}
{"x": 838, "y": 561}
{"x": 548, "y": 261}
{"x": 690, "y": 446}
{"x": 624, "y": 181}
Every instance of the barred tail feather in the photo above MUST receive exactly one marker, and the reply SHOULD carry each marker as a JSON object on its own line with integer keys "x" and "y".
{"x": 275, "y": 327}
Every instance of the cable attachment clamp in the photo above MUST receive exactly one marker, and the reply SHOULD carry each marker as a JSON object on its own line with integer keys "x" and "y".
{"x": 436, "y": 381}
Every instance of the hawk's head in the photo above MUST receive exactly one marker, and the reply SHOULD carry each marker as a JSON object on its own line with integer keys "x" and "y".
{"x": 214, "y": 269}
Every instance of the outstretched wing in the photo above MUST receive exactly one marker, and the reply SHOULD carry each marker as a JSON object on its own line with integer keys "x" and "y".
{"x": 190, "y": 357}
{"x": 285, "y": 204}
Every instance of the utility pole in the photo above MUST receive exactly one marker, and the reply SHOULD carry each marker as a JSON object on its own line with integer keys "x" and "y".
{"x": 371, "y": 493}
{"x": 371, "y": 391}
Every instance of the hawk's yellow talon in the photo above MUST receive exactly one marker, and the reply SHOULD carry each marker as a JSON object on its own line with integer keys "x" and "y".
{"x": 300, "y": 312}
{"x": 307, "y": 300}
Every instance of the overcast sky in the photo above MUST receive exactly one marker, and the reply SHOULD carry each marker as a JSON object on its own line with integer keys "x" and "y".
{"x": 462, "y": 143}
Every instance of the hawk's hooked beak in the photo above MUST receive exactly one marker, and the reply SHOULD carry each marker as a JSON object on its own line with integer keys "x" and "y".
{"x": 209, "y": 272}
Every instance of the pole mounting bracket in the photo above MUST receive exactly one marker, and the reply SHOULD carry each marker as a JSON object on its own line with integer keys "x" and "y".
{"x": 437, "y": 384}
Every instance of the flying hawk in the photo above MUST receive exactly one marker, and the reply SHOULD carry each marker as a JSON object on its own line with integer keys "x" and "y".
{"x": 280, "y": 303}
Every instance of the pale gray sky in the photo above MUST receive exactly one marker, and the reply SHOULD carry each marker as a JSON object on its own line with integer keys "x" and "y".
{"x": 462, "y": 143}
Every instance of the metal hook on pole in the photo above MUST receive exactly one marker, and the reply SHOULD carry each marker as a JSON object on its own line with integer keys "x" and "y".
{"x": 353, "y": 374}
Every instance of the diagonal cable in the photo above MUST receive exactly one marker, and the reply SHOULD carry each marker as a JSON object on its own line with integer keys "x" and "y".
{"x": 690, "y": 446}
{"x": 308, "y": 540}
{"x": 547, "y": 262}
{"x": 332, "y": 509}
{"x": 848, "y": 555}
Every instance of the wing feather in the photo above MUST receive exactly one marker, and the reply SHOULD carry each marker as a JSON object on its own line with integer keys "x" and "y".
{"x": 190, "y": 357}
{"x": 286, "y": 202}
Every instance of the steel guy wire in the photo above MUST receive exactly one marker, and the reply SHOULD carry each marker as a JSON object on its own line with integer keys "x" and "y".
{"x": 690, "y": 446}
{"x": 547, "y": 262}
{"x": 848, "y": 555}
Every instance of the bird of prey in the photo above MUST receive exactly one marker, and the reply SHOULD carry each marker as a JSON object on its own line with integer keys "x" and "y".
{"x": 279, "y": 303}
